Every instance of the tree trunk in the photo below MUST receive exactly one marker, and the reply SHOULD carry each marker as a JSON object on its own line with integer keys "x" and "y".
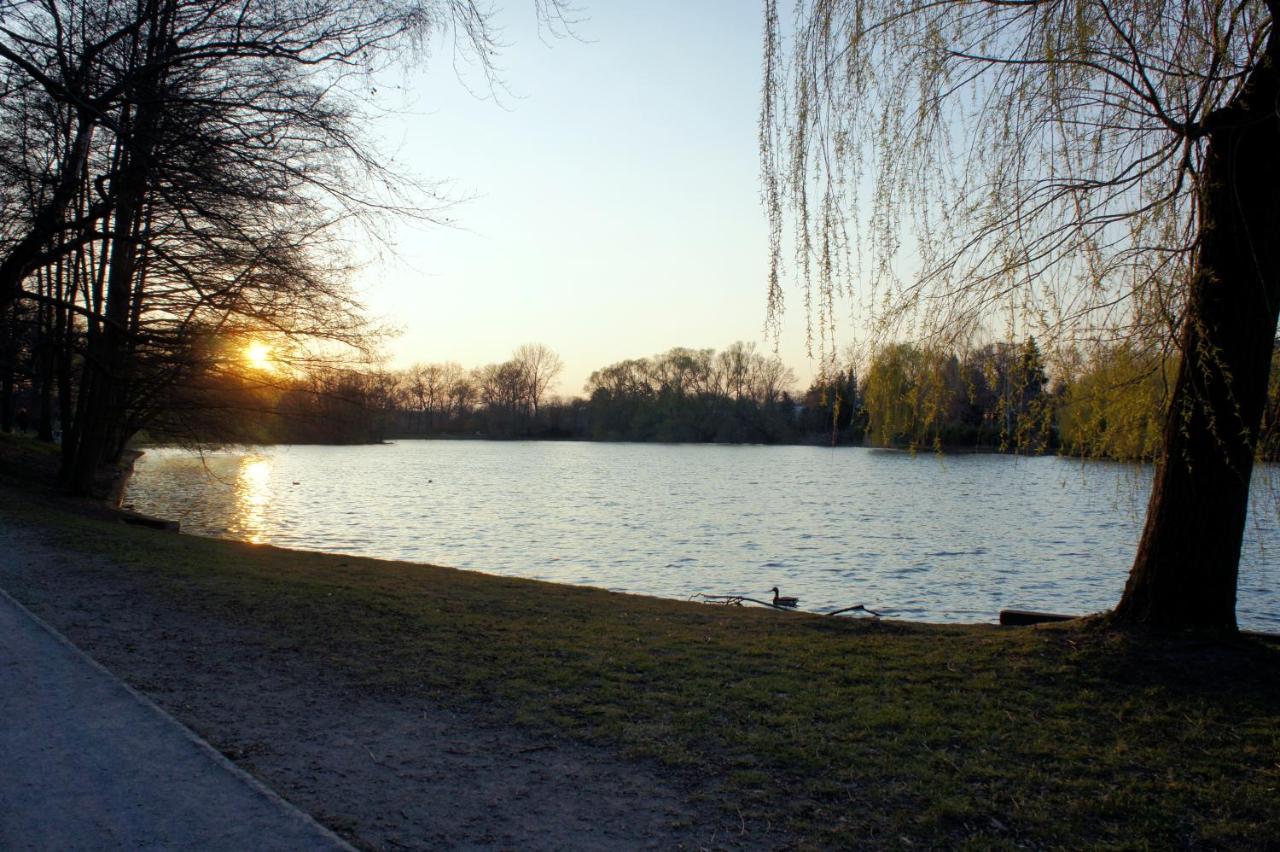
{"x": 104, "y": 388}
{"x": 104, "y": 392}
{"x": 48, "y": 221}
{"x": 8, "y": 365}
{"x": 46, "y": 343}
{"x": 1186, "y": 568}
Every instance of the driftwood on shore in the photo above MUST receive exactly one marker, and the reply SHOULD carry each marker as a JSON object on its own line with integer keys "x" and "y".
{"x": 739, "y": 600}
{"x": 137, "y": 519}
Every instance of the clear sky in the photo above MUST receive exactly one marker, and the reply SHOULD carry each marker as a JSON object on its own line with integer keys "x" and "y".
{"x": 613, "y": 197}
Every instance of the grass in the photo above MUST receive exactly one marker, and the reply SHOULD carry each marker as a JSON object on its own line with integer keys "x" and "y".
{"x": 848, "y": 733}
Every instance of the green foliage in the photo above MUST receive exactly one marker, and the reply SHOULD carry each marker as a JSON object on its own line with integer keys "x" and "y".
{"x": 833, "y": 407}
{"x": 908, "y": 393}
{"x": 1115, "y": 408}
{"x": 994, "y": 396}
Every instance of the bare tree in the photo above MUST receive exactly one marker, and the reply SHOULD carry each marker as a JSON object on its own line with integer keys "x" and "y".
{"x": 1084, "y": 163}
{"x": 429, "y": 387}
{"x": 540, "y": 367}
{"x": 769, "y": 379}
{"x": 503, "y": 390}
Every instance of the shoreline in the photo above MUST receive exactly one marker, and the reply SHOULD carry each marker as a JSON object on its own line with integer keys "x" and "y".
{"x": 357, "y": 524}
{"x": 122, "y": 473}
{"x": 1021, "y": 617}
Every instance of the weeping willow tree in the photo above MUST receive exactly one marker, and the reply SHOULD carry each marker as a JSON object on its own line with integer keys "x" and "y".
{"x": 1112, "y": 409}
{"x": 1091, "y": 165}
{"x": 907, "y": 395}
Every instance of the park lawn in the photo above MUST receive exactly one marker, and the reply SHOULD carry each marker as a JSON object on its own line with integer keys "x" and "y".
{"x": 846, "y": 732}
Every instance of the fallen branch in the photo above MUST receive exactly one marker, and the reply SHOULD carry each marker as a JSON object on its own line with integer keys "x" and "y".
{"x": 722, "y": 600}
{"x": 857, "y": 608}
{"x": 739, "y": 600}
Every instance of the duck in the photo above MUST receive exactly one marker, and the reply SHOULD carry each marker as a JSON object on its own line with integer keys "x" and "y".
{"x": 777, "y": 601}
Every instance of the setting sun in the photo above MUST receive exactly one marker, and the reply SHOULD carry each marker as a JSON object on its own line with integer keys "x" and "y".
{"x": 258, "y": 354}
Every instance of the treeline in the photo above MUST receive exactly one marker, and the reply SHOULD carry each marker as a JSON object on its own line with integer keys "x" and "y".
{"x": 737, "y": 395}
{"x": 1107, "y": 403}
{"x": 1114, "y": 407}
{"x": 288, "y": 403}
{"x": 687, "y": 395}
{"x": 996, "y": 397}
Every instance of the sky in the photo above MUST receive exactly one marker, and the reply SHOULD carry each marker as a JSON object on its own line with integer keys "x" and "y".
{"x": 610, "y": 201}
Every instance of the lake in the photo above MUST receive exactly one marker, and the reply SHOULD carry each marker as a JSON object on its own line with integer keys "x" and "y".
{"x": 924, "y": 537}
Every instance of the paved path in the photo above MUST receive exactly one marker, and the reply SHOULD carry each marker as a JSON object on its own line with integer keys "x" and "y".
{"x": 87, "y": 763}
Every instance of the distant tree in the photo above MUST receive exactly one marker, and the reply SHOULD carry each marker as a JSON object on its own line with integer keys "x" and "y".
{"x": 1115, "y": 406}
{"x": 1006, "y": 395}
{"x": 540, "y": 367}
{"x": 622, "y": 400}
{"x": 429, "y": 389}
{"x": 1091, "y": 161}
{"x": 833, "y": 407}
{"x": 768, "y": 380}
{"x": 909, "y": 393}
{"x": 503, "y": 391}
{"x": 417, "y": 395}
{"x": 693, "y": 395}
{"x": 462, "y": 396}
{"x": 733, "y": 368}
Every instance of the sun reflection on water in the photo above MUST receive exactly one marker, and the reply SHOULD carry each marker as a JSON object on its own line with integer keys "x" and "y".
{"x": 253, "y": 497}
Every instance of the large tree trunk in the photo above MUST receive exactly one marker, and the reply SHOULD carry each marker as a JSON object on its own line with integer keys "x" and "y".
{"x": 1186, "y": 567}
{"x": 104, "y": 392}
{"x": 107, "y": 364}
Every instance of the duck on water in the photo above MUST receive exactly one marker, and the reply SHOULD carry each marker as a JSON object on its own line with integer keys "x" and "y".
{"x": 781, "y": 601}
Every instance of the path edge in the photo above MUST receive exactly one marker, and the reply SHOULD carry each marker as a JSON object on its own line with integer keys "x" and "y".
{"x": 288, "y": 809}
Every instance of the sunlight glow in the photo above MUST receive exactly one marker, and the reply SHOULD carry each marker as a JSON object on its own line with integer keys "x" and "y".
{"x": 258, "y": 354}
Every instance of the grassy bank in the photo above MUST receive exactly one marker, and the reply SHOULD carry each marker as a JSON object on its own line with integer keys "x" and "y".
{"x": 848, "y": 733}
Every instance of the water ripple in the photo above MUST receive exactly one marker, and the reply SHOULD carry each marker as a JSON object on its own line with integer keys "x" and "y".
{"x": 952, "y": 539}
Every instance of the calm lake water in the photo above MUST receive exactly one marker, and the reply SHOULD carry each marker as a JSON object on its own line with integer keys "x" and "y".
{"x": 925, "y": 538}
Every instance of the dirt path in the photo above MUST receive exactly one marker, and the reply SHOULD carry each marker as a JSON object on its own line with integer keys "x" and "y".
{"x": 385, "y": 772}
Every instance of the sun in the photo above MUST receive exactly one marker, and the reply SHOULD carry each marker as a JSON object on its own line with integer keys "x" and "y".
{"x": 258, "y": 354}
